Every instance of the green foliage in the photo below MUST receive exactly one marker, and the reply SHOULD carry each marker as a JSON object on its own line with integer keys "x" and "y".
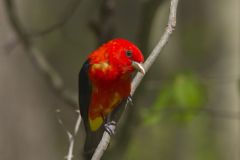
{"x": 187, "y": 91}
{"x": 180, "y": 99}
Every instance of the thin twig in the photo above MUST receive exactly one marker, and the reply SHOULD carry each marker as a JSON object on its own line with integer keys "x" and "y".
{"x": 53, "y": 77}
{"x": 158, "y": 48}
{"x": 138, "y": 78}
{"x": 148, "y": 12}
{"x": 71, "y": 136}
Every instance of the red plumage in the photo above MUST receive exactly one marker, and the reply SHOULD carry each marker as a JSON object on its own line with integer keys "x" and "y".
{"x": 109, "y": 72}
{"x": 106, "y": 79}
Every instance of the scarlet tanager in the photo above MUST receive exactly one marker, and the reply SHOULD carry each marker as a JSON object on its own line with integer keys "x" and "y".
{"x": 104, "y": 82}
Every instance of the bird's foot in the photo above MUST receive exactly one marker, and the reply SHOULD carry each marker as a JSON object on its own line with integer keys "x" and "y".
{"x": 129, "y": 99}
{"x": 110, "y": 127}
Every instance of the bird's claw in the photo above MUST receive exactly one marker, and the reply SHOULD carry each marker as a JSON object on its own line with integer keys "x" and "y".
{"x": 110, "y": 127}
{"x": 130, "y": 100}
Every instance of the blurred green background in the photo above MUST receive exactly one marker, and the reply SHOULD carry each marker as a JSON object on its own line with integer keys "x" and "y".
{"x": 187, "y": 107}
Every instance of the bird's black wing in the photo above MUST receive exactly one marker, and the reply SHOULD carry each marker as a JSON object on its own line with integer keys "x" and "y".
{"x": 85, "y": 92}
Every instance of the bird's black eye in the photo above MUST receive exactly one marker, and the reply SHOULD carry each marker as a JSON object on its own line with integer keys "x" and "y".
{"x": 129, "y": 53}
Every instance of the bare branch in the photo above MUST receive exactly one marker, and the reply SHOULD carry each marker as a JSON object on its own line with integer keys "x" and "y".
{"x": 71, "y": 136}
{"x": 138, "y": 78}
{"x": 102, "y": 147}
{"x": 148, "y": 12}
{"x": 158, "y": 48}
{"x": 54, "y": 79}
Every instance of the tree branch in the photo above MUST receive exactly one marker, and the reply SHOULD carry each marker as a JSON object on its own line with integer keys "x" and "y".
{"x": 138, "y": 78}
{"x": 149, "y": 9}
{"x": 51, "y": 75}
{"x": 71, "y": 136}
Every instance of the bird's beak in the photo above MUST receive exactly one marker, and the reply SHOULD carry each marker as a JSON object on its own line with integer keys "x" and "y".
{"x": 138, "y": 66}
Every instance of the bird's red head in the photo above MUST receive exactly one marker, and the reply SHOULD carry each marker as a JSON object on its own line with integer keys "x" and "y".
{"x": 121, "y": 54}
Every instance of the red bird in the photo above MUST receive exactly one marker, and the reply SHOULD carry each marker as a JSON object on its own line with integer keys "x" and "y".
{"x": 104, "y": 82}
